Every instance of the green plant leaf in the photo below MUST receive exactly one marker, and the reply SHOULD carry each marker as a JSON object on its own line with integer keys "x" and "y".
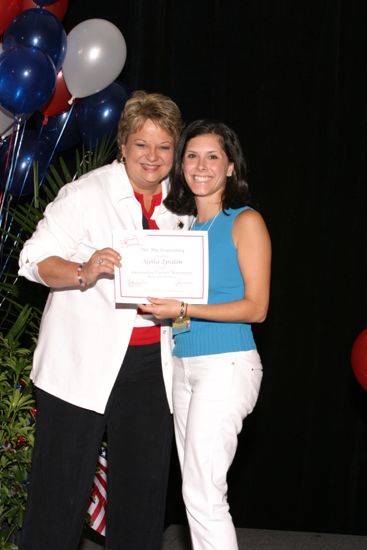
{"x": 18, "y": 327}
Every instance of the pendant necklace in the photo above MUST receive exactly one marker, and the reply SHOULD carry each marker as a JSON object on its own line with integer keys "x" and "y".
{"x": 203, "y": 228}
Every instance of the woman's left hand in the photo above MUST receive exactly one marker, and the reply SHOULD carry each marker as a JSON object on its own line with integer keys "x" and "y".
{"x": 162, "y": 308}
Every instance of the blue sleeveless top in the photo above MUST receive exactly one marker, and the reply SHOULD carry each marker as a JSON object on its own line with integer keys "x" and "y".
{"x": 225, "y": 284}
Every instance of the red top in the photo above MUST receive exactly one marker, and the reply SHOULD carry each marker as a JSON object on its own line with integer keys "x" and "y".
{"x": 141, "y": 336}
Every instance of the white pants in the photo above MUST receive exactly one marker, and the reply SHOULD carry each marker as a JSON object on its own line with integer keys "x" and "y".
{"x": 212, "y": 395}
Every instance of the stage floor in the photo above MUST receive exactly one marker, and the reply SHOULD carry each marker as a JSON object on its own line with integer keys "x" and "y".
{"x": 176, "y": 538}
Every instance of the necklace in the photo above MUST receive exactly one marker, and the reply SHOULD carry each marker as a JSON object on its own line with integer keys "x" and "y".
{"x": 203, "y": 228}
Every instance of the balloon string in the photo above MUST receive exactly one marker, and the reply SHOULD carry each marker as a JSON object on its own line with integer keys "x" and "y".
{"x": 3, "y": 236}
{"x": 13, "y": 154}
{"x": 3, "y": 194}
{"x": 63, "y": 128}
{"x": 24, "y": 180}
{"x": 18, "y": 135}
{"x": 9, "y": 149}
{"x": 53, "y": 151}
{"x": 35, "y": 149}
{"x": 13, "y": 151}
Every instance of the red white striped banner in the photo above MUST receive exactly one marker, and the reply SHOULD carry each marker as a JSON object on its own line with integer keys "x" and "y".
{"x": 97, "y": 507}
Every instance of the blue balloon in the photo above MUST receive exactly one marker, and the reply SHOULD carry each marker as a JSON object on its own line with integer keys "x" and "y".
{"x": 41, "y": 29}
{"x": 30, "y": 149}
{"x": 61, "y": 132}
{"x": 27, "y": 79}
{"x": 98, "y": 114}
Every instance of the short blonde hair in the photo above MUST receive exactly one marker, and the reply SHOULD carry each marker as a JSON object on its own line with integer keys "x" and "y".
{"x": 143, "y": 106}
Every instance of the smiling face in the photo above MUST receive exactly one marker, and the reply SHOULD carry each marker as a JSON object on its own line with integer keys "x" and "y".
{"x": 148, "y": 156}
{"x": 206, "y": 166}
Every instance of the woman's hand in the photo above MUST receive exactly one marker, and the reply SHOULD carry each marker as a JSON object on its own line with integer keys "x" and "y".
{"x": 162, "y": 308}
{"x": 59, "y": 273}
{"x": 102, "y": 262}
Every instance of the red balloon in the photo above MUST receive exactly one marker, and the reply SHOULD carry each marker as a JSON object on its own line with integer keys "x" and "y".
{"x": 8, "y": 10}
{"x": 359, "y": 358}
{"x": 58, "y": 8}
{"x": 59, "y": 101}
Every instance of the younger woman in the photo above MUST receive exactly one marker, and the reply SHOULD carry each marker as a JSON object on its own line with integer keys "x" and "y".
{"x": 218, "y": 371}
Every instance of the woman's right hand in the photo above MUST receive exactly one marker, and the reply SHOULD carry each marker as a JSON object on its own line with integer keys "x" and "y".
{"x": 59, "y": 273}
{"x": 102, "y": 262}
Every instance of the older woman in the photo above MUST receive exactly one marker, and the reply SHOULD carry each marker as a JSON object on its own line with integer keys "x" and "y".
{"x": 100, "y": 369}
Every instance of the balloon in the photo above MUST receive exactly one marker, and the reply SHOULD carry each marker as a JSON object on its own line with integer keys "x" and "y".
{"x": 61, "y": 132}
{"x": 27, "y": 79}
{"x": 95, "y": 56}
{"x": 59, "y": 101}
{"x": 58, "y": 8}
{"x": 98, "y": 115}
{"x": 31, "y": 149}
{"x": 359, "y": 358}
{"x": 7, "y": 123}
{"x": 8, "y": 10}
{"x": 44, "y": 2}
{"x": 41, "y": 29}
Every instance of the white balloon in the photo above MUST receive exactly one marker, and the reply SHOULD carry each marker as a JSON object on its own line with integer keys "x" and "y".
{"x": 7, "y": 123}
{"x": 95, "y": 56}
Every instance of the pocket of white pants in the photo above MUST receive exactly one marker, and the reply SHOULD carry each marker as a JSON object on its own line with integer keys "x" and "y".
{"x": 247, "y": 377}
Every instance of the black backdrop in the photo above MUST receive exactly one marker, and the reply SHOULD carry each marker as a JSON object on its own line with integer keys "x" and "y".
{"x": 290, "y": 77}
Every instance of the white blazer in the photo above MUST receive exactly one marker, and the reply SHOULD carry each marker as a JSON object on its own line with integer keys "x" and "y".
{"x": 84, "y": 336}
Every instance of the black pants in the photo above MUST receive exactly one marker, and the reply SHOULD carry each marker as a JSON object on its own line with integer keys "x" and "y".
{"x": 138, "y": 426}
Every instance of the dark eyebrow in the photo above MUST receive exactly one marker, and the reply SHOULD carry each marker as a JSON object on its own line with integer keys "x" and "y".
{"x": 207, "y": 152}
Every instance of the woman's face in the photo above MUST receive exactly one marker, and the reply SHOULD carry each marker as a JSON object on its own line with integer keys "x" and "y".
{"x": 148, "y": 156}
{"x": 206, "y": 166}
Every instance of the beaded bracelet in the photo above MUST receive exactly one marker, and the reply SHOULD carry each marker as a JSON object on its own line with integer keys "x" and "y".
{"x": 83, "y": 284}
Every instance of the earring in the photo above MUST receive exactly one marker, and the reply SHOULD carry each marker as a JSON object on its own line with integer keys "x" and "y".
{"x": 123, "y": 159}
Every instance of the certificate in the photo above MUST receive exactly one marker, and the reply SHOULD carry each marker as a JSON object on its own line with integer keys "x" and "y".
{"x": 161, "y": 264}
